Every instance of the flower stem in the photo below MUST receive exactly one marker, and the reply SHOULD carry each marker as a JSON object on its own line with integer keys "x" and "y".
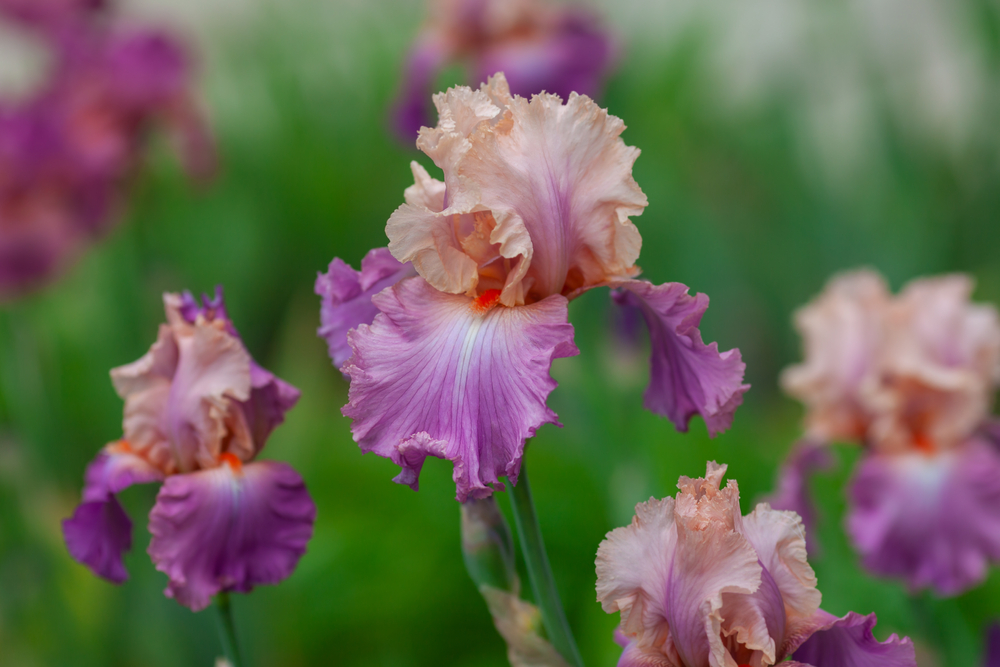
{"x": 540, "y": 572}
{"x": 227, "y": 630}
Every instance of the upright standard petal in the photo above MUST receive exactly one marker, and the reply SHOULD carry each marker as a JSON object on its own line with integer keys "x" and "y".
{"x": 849, "y": 642}
{"x": 687, "y": 377}
{"x": 460, "y": 379}
{"x": 100, "y": 532}
{"x": 545, "y": 187}
{"x": 841, "y": 331}
{"x": 932, "y": 520}
{"x": 346, "y": 297}
{"x": 184, "y": 394}
{"x": 229, "y": 529}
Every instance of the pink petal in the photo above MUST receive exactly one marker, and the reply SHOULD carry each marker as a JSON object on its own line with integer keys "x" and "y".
{"x": 346, "y": 297}
{"x": 181, "y": 399}
{"x": 554, "y": 179}
{"x": 848, "y": 642}
{"x": 687, "y": 377}
{"x": 225, "y": 530}
{"x": 434, "y": 375}
{"x": 932, "y": 520}
{"x": 841, "y": 332}
{"x": 779, "y": 540}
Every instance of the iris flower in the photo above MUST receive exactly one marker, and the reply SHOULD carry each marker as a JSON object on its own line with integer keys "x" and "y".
{"x": 533, "y": 211}
{"x": 198, "y": 411}
{"x": 558, "y": 49}
{"x": 68, "y": 153}
{"x": 700, "y": 585}
{"x": 911, "y": 378}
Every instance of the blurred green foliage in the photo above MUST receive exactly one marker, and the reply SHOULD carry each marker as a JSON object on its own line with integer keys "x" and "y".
{"x": 740, "y": 208}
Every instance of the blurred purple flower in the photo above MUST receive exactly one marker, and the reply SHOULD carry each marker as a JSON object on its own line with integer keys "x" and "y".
{"x": 198, "y": 410}
{"x": 540, "y": 48}
{"x": 66, "y": 155}
{"x": 699, "y": 584}
{"x": 912, "y": 379}
{"x": 534, "y": 210}
{"x": 806, "y": 459}
{"x": 992, "y": 657}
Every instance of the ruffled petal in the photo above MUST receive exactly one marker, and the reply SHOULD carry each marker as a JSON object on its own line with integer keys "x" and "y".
{"x": 841, "y": 332}
{"x": 229, "y": 530}
{"x": 192, "y": 412}
{"x": 712, "y": 561}
{"x": 932, "y": 520}
{"x": 779, "y": 540}
{"x": 561, "y": 174}
{"x": 100, "y": 532}
{"x": 448, "y": 376}
{"x": 346, "y": 297}
{"x": 849, "y": 642}
{"x": 552, "y": 186}
{"x": 687, "y": 377}
{"x": 938, "y": 367}
{"x": 633, "y": 570}
{"x": 805, "y": 459}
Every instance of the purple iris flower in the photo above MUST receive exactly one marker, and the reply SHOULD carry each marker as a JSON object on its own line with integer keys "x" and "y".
{"x": 451, "y": 356}
{"x": 911, "y": 378}
{"x": 699, "y": 584}
{"x": 198, "y": 411}
{"x": 66, "y": 154}
{"x": 540, "y": 48}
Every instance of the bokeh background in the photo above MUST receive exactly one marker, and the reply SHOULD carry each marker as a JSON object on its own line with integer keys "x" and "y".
{"x": 781, "y": 141}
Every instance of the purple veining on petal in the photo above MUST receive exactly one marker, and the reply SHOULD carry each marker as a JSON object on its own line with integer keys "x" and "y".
{"x": 849, "y": 642}
{"x": 346, "y": 297}
{"x": 805, "y": 460}
{"x": 687, "y": 377}
{"x": 433, "y": 375}
{"x": 224, "y": 530}
{"x": 932, "y": 520}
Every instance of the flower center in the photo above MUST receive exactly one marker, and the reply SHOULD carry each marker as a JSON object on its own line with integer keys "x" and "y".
{"x": 232, "y": 461}
{"x": 485, "y": 301}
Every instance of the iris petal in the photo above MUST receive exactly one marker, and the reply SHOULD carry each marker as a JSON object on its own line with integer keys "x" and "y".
{"x": 436, "y": 375}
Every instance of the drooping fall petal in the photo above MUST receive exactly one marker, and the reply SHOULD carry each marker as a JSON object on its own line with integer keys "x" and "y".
{"x": 687, "y": 377}
{"x": 229, "y": 529}
{"x": 456, "y": 378}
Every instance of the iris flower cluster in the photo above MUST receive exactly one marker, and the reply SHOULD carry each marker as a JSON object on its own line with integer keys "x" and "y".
{"x": 910, "y": 378}
{"x": 68, "y": 152}
{"x": 448, "y": 335}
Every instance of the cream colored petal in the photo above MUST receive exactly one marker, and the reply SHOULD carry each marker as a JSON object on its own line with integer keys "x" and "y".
{"x": 841, "y": 332}
{"x": 558, "y": 180}
{"x": 426, "y": 192}
{"x": 156, "y": 366}
{"x": 779, "y": 539}
{"x": 428, "y": 240}
{"x": 633, "y": 568}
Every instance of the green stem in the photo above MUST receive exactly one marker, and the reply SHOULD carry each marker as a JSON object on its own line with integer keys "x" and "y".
{"x": 540, "y": 572}
{"x": 227, "y": 630}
